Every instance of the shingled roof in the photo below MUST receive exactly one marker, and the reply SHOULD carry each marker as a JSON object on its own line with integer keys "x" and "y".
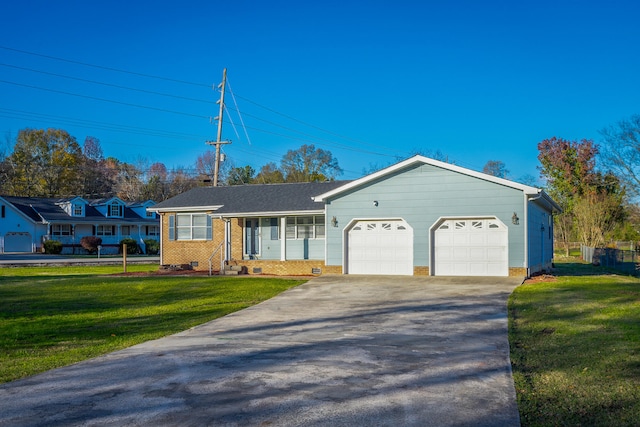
{"x": 40, "y": 209}
{"x": 251, "y": 198}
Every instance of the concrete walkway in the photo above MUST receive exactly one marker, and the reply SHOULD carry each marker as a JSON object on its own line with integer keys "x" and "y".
{"x": 336, "y": 351}
{"x": 45, "y": 260}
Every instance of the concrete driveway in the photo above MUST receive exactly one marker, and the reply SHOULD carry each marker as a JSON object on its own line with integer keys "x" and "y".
{"x": 336, "y": 351}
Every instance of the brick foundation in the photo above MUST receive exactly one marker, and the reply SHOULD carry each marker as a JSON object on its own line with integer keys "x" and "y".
{"x": 420, "y": 271}
{"x": 517, "y": 272}
{"x": 283, "y": 268}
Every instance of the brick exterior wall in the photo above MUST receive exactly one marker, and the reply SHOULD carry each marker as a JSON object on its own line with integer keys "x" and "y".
{"x": 190, "y": 251}
{"x": 517, "y": 272}
{"x": 420, "y": 271}
{"x": 284, "y": 268}
{"x": 332, "y": 269}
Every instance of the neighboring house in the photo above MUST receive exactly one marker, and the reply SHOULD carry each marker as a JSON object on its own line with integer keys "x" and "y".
{"x": 27, "y": 222}
{"x": 417, "y": 217}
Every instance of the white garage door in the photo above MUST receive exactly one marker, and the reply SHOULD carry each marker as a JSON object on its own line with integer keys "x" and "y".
{"x": 471, "y": 247}
{"x": 380, "y": 247}
{"x": 17, "y": 242}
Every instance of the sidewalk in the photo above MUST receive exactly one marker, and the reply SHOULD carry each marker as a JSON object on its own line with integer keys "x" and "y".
{"x": 44, "y": 260}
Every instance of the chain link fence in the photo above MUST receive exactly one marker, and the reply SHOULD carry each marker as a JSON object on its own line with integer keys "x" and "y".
{"x": 623, "y": 260}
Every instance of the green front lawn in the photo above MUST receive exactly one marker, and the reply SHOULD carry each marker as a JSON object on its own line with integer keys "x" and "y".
{"x": 575, "y": 348}
{"x": 51, "y": 317}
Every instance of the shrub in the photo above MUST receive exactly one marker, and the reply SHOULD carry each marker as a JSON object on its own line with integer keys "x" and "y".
{"x": 153, "y": 246}
{"x": 52, "y": 247}
{"x": 91, "y": 243}
{"x": 132, "y": 246}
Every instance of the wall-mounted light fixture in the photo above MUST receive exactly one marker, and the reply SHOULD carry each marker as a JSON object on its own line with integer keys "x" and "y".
{"x": 514, "y": 219}
{"x": 334, "y": 221}
{"x": 375, "y": 203}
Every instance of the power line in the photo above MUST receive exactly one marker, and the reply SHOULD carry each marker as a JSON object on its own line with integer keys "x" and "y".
{"x": 198, "y": 100}
{"x": 308, "y": 137}
{"x": 107, "y": 84}
{"x": 102, "y": 67}
{"x": 95, "y": 98}
{"x": 27, "y": 115}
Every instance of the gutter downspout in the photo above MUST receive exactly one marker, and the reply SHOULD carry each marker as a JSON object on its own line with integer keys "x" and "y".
{"x": 162, "y": 217}
{"x": 227, "y": 239}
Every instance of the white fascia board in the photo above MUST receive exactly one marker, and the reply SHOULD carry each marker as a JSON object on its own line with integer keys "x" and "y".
{"x": 269, "y": 214}
{"x": 546, "y": 200}
{"x": 425, "y": 160}
{"x": 186, "y": 209}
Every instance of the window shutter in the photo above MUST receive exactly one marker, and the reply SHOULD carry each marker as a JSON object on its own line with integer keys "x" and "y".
{"x": 274, "y": 229}
{"x": 209, "y": 228}
{"x": 172, "y": 227}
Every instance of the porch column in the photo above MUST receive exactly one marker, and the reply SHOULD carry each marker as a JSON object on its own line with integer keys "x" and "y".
{"x": 283, "y": 238}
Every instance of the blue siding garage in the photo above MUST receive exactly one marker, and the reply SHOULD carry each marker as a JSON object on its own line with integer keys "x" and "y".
{"x": 461, "y": 220}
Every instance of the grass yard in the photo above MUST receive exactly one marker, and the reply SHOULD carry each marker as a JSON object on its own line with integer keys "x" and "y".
{"x": 55, "y": 316}
{"x": 575, "y": 348}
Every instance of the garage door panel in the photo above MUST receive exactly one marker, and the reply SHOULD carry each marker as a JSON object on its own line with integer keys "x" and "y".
{"x": 477, "y": 239}
{"x": 460, "y": 253}
{"x": 477, "y": 254}
{"x": 496, "y": 238}
{"x": 471, "y": 247}
{"x": 461, "y": 239}
{"x": 17, "y": 241}
{"x": 380, "y": 247}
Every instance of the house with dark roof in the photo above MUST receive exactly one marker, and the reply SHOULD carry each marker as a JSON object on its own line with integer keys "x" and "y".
{"x": 27, "y": 222}
{"x": 417, "y": 217}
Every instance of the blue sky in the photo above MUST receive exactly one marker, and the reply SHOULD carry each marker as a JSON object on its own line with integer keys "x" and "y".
{"x": 370, "y": 81}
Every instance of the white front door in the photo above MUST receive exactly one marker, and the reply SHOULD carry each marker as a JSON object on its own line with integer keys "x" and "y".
{"x": 380, "y": 247}
{"x": 471, "y": 247}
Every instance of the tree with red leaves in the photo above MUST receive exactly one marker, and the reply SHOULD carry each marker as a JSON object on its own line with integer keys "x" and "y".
{"x": 568, "y": 167}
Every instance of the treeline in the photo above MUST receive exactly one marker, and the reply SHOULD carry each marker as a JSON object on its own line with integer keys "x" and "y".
{"x": 51, "y": 163}
{"x": 597, "y": 185}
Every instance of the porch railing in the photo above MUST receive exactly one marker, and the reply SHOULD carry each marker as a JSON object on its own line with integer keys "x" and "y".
{"x": 218, "y": 249}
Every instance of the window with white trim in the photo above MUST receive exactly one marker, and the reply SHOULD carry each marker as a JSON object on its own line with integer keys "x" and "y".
{"x": 106, "y": 230}
{"x": 61, "y": 230}
{"x": 305, "y": 227}
{"x": 193, "y": 227}
{"x": 78, "y": 210}
{"x": 116, "y": 210}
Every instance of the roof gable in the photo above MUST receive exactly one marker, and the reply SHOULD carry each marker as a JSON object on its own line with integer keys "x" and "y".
{"x": 103, "y": 202}
{"x": 418, "y": 159}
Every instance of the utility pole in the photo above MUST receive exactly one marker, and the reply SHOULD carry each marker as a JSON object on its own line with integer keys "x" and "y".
{"x": 218, "y": 142}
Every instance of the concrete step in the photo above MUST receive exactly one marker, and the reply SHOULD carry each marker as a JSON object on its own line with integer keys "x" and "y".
{"x": 231, "y": 272}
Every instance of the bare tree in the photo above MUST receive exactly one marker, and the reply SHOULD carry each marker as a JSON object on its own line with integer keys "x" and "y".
{"x": 309, "y": 163}
{"x": 620, "y": 151}
{"x": 496, "y": 168}
{"x": 269, "y": 174}
{"x": 596, "y": 216}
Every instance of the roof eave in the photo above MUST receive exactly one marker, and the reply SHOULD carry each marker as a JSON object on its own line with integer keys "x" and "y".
{"x": 186, "y": 209}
